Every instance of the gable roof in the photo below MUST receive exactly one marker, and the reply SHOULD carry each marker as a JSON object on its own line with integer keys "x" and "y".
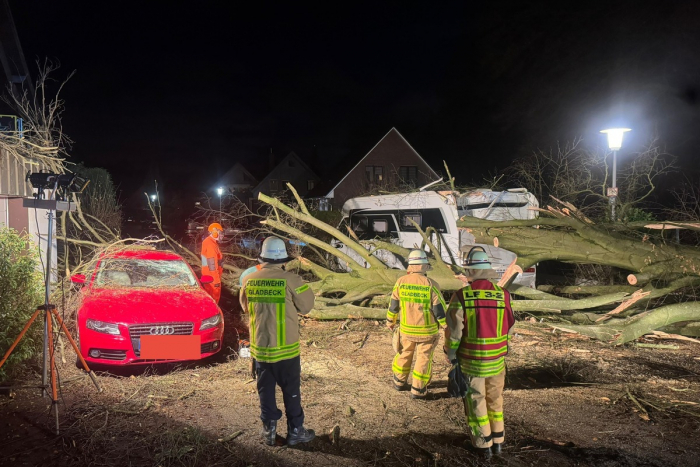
{"x": 291, "y": 155}
{"x": 236, "y": 175}
{"x": 392, "y": 131}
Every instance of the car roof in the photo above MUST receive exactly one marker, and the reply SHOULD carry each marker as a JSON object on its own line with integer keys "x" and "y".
{"x": 145, "y": 254}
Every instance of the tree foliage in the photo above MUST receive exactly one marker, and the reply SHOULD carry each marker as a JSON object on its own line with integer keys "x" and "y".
{"x": 20, "y": 294}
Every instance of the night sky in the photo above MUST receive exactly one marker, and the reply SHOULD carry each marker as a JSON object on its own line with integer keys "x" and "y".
{"x": 179, "y": 92}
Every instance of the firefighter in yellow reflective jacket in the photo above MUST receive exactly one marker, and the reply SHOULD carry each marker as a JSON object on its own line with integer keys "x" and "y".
{"x": 273, "y": 297}
{"x": 418, "y": 305}
{"x": 479, "y": 318}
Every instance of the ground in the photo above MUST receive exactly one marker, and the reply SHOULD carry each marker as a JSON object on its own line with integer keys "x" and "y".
{"x": 569, "y": 401}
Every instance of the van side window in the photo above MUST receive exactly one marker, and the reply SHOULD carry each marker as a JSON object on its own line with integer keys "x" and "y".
{"x": 380, "y": 226}
{"x": 411, "y": 216}
{"x": 359, "y": 224}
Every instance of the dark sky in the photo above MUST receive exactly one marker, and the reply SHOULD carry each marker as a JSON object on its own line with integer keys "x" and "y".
{"x": 181, "y": 91}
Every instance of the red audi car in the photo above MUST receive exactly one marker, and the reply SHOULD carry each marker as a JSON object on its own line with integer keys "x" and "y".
{"x": 146, "y": 302}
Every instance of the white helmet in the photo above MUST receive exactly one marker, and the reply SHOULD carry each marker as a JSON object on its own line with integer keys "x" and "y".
{"x": 417, "y": 257}
{"x": 274, "y": 251}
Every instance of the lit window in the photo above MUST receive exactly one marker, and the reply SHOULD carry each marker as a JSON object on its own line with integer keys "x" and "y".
{"x": 374, "y": 173}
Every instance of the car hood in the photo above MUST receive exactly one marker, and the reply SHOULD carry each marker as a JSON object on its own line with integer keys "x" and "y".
{"x": 135, "y": 306}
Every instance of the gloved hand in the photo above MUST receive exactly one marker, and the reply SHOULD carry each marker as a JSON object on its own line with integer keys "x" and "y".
{"x": 390, "y": 324}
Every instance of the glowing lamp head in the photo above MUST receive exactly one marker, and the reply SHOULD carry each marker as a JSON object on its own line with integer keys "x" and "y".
{"x": 220, "y": 191}
{"x": 615, "y": 137}
{"x": 153, "y": 198}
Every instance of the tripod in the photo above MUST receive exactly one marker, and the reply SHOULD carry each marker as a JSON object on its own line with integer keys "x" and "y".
{"x": 49, "y": 311}
{"x": 48, "y": 367}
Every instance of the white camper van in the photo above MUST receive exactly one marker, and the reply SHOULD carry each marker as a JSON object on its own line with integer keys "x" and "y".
{"x": 388, "y": 218}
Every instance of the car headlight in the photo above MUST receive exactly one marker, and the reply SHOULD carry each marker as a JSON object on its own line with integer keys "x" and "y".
{"x": 101, "y": 326}
{"x": 210, "y": 322}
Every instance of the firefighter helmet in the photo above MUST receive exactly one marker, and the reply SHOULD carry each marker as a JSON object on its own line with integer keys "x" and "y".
{"x": 478, "y": 259}
{"x": 417, "y": 257}
{"x": 274, "y": 251}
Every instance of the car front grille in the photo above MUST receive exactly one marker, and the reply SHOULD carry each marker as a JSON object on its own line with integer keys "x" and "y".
{"x": 108, "y": 354}
{"x": 179, "y": 329}
{"x": 138, "y": 330}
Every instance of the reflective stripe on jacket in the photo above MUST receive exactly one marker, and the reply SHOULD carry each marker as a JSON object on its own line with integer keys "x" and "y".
{"x": 479, "y": 331}
{"x": 273, "y": 297}
{"x": 418, "y": 305}
{"x": 211, "y": 259}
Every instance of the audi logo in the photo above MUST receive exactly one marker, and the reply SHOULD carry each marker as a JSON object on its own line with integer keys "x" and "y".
{"x": 162, "y": 330}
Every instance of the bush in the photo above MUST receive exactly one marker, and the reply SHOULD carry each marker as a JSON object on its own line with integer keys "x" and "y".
{"x": 21, "y": 288}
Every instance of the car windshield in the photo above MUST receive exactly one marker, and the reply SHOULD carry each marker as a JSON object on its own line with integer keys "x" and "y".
{"x": 145, "y": 273}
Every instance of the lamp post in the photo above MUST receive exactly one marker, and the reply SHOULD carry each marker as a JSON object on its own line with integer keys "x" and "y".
{"x": 153, "y": 198}
{"x": 220, "y": 192}
{"x": 614, "y": 143}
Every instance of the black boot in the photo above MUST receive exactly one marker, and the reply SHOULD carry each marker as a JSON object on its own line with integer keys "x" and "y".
{"x": 269, "y": 432}
{"x": 299, "y": 435}
{"x": 496, "y": 449}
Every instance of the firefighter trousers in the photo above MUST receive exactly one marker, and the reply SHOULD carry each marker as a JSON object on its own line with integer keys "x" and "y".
{"x": 483, "y": 407}
{"x": 422, "y": 369}
{"x": 286, "y": 374}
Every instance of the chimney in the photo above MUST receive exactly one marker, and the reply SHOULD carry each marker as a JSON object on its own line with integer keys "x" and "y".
{"x": 272, "y": 160}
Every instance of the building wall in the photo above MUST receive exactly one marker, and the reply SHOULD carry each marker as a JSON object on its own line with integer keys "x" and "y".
{"x": 391, "y": 153}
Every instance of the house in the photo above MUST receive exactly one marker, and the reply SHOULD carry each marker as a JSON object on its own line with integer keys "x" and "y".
{"x": 291, "y": 169}
{"x": 14, "y": 187}
{"x": 391, "y": 165}
{"x": 236, "y": 181}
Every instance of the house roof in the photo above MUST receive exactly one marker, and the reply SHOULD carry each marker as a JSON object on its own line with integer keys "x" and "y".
{"x": 291, "y": 155}
{"x": 394, "y": 131}
{"x": 236, "y": 175}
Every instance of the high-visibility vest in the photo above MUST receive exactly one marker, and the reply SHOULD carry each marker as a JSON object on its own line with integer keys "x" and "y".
{"x": 485, "y": 335}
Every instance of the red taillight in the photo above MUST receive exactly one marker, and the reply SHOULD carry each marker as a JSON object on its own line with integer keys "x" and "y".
{"x": 530, "y": 270}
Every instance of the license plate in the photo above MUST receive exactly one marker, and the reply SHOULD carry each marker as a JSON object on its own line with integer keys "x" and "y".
{"x": 170, "y": 347}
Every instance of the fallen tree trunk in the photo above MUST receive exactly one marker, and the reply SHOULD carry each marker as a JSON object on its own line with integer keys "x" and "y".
{"x": 631, "y": 329}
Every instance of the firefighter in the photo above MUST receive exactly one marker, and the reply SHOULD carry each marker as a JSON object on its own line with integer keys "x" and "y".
{"x": 212, "y": 260}
{"x": 418, "y": 305}
{"x": 273, "y": 297}
{"x": 479, "y": 318}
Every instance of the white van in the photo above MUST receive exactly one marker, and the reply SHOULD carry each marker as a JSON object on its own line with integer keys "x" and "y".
{"x": 387, "y": 217}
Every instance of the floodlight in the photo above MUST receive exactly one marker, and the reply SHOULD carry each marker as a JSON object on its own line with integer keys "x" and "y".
{"x": 615, "y": 137}
{"x": 220, "y": 191}
{"x": 153, "y": 198}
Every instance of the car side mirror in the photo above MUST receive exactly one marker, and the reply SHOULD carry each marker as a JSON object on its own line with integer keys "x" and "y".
{"x": 78, "y": 279}
{"x": 206, "y": 279}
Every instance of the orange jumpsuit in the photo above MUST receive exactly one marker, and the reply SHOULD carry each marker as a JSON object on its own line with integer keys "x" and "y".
{"x": 211, "y": 266}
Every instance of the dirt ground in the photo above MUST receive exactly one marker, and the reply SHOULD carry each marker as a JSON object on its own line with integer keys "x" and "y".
{"x": 569, "y": 401}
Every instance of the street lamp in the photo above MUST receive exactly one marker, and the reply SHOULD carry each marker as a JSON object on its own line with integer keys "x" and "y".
{"x": 220, "y": 191}
{"x": 153, "y": 198}
{"x": 614, "y": 143}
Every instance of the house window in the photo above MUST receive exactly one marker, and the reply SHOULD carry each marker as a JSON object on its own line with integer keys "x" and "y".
{"x": 274, "y": 186}
{"x": 408, "y": 174}
{"x": 309, "y": 185}
{"x": 375, "y": 174}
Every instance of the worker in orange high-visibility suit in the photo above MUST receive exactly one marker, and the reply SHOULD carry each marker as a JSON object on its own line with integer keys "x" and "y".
{"x": 212, "y": 260}
{"x": 479, "y": 318}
